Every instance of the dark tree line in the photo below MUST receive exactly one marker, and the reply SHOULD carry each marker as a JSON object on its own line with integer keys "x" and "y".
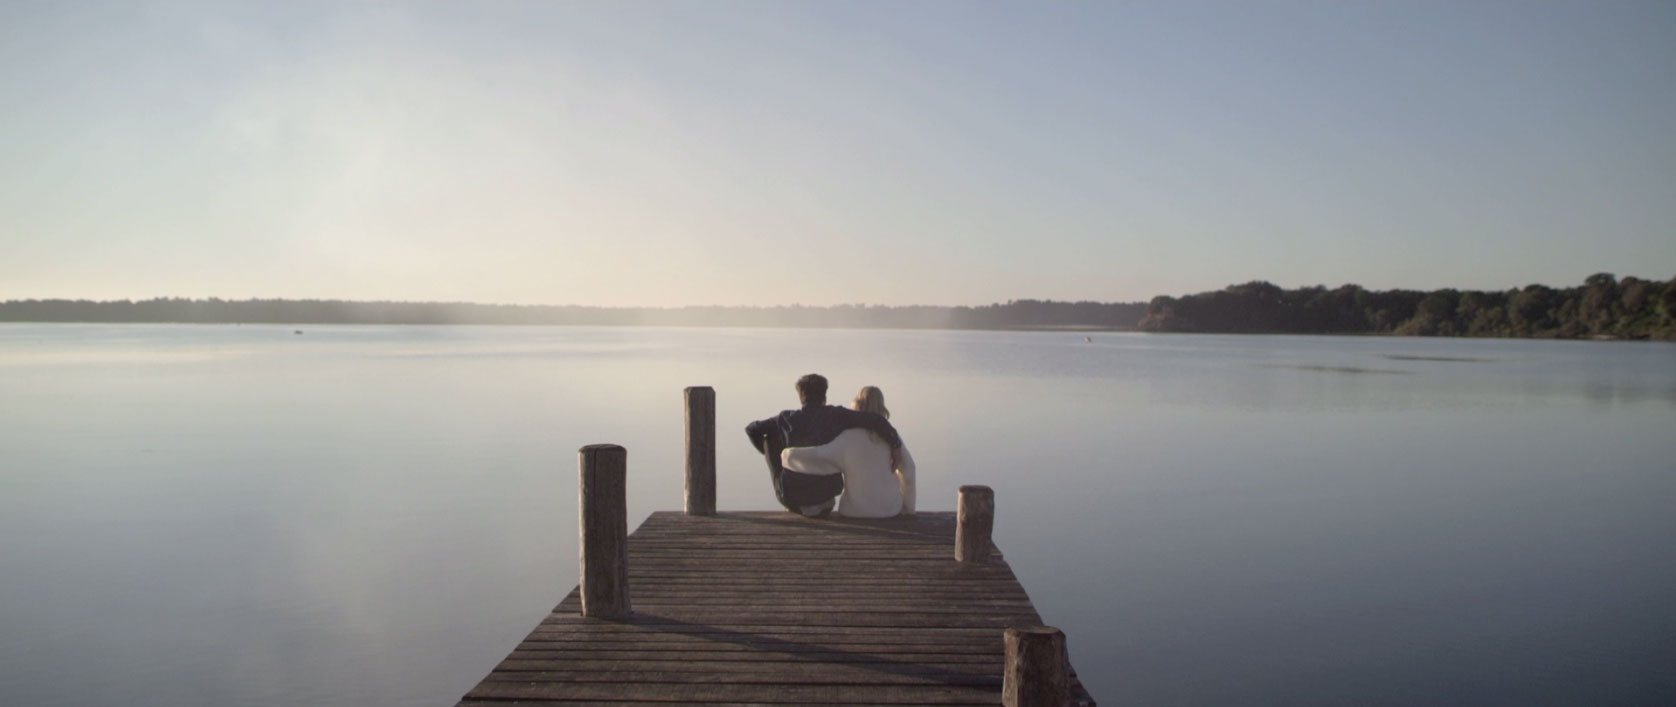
{"x": 1603, "y": 306}
{"x": 1017, "y": 314}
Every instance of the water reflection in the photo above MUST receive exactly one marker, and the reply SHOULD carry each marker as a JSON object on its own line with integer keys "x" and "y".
{"x": 1453, "y": 359}
{"x": 1355, "y": 370}
{"x": 361, "y": 515}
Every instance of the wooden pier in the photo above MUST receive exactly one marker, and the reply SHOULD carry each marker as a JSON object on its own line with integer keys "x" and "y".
{"x": 770, "y": 608}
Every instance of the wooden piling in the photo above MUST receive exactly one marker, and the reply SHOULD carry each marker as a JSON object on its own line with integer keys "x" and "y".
{"x": 975, "y": 514}
{"x": 1037, "y": 671}
{"x": 701, "y": 450}
{"x": 604, "y": 526}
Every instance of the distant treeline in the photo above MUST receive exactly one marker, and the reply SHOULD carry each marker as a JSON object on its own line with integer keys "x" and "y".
{"x": 1018, "y": 314}
{"x": 1603, "y": 306}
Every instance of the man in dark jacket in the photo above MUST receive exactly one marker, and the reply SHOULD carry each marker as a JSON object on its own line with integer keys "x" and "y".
{"x": 812, "y": 425}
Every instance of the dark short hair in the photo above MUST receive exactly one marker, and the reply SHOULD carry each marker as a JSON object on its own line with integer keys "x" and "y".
{"x": 812, "y": 388}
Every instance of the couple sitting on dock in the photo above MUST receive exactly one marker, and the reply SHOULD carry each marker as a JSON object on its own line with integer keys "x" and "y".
{"x": 819, "y": 450}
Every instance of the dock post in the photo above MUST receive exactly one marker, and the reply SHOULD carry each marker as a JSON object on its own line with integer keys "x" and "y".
{"x": 975, "y": 519}
{"x": 604, "y": 521}
{"x": 701, "y": 450}
{"x": 1037, "y": 671}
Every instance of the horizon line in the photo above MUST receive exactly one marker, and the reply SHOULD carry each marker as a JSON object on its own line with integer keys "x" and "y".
{"x": 795, "y": 305}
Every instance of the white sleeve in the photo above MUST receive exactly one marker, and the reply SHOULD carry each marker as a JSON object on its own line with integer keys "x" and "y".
{"x": 811, "y": 460}
{"x": 905, "y": 474}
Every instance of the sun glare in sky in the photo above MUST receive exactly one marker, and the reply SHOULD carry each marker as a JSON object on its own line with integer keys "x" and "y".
{"x": 819, "y": 153}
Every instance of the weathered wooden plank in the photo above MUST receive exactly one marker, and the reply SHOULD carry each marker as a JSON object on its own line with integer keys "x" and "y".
{"x": 767, "y": 694}
{"x": 854, "y": 618}
{"x": 977, "y": 590}
{"x": 805, "y": 553}
{"x": 852, "y": 597}
{"x": 607, "y": 660}
{"x": 847, "y": 536}
{"x": 783, "y": 645}
{"x": 816, "y": 614}
{"x": 676, "y": 648}
{"x": 642, "y": 703}
{"x": 772, "y": 541}
{"x": 806, "y": 529}
{"x": 768, "y": 586}
{"x": 791, "y": 575}
{"x": 808, "y": 571}
{"x": 721, "y": 579}
{"x": 854, "y": 601}
{"x": 794, "y": 527}
{"x": 920, "y": 518}
{"x": 794, "y": 538}
{"x": 777, "y": 538}
{"x": 850, "y": 652}
{"x": 922, "y": 527}
{"x": 638, "y": 624}
{"x": 759, "y": 546}
{"x": 825, "y": 589}
{"x": 724, "y": 580}
{"x": 766, "y": 674}
{"x": 847, "y": 604}
{"x": 742, "y": 582}
{"x": 925, "y": 526}
{"x": 842, "y": 591}
{"x": 925, "y": 522}
{"x": 859, "y": 573}
{"x": 838, "y": 564}
{"x": 772, "y": 615}
{"x": 827, "y": 558}
{"x": 804, "y": 634}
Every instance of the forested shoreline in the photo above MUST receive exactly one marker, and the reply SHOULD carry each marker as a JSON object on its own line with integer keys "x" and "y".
{"x": 1017, "y": 314}
{"x": 1602, "y": 307}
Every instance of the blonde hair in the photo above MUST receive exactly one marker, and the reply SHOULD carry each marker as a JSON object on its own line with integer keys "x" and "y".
{"x": 871, "y": 399}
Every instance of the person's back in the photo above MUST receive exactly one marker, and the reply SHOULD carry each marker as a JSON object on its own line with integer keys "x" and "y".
{"x": 878, "y": 479}
{"x": 814, "y": 424}
{"x": 874, "y": 487}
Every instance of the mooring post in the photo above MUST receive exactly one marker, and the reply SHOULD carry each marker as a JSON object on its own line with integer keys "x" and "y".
{"x": 604, "y": 521}
{"x": 701, "y": 450}
{"x": 1038, "y": 671}
{"x": 975, "y": 519}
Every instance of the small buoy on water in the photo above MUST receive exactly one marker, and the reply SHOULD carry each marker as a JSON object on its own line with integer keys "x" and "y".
{"x": 299, "y": 331}
{"x": 1088, "y": 339}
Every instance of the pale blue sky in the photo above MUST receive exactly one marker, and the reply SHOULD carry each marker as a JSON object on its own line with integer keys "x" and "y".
{"x": 626, "y": 153}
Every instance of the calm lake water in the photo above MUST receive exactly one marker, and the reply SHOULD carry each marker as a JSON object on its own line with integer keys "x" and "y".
{"x": 220, "y": 515}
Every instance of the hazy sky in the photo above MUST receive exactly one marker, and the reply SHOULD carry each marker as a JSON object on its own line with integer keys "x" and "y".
{"x": 627, "y": 153}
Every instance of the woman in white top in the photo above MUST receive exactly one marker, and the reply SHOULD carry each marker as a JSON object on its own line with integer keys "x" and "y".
{"x": 874, "y": 487}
